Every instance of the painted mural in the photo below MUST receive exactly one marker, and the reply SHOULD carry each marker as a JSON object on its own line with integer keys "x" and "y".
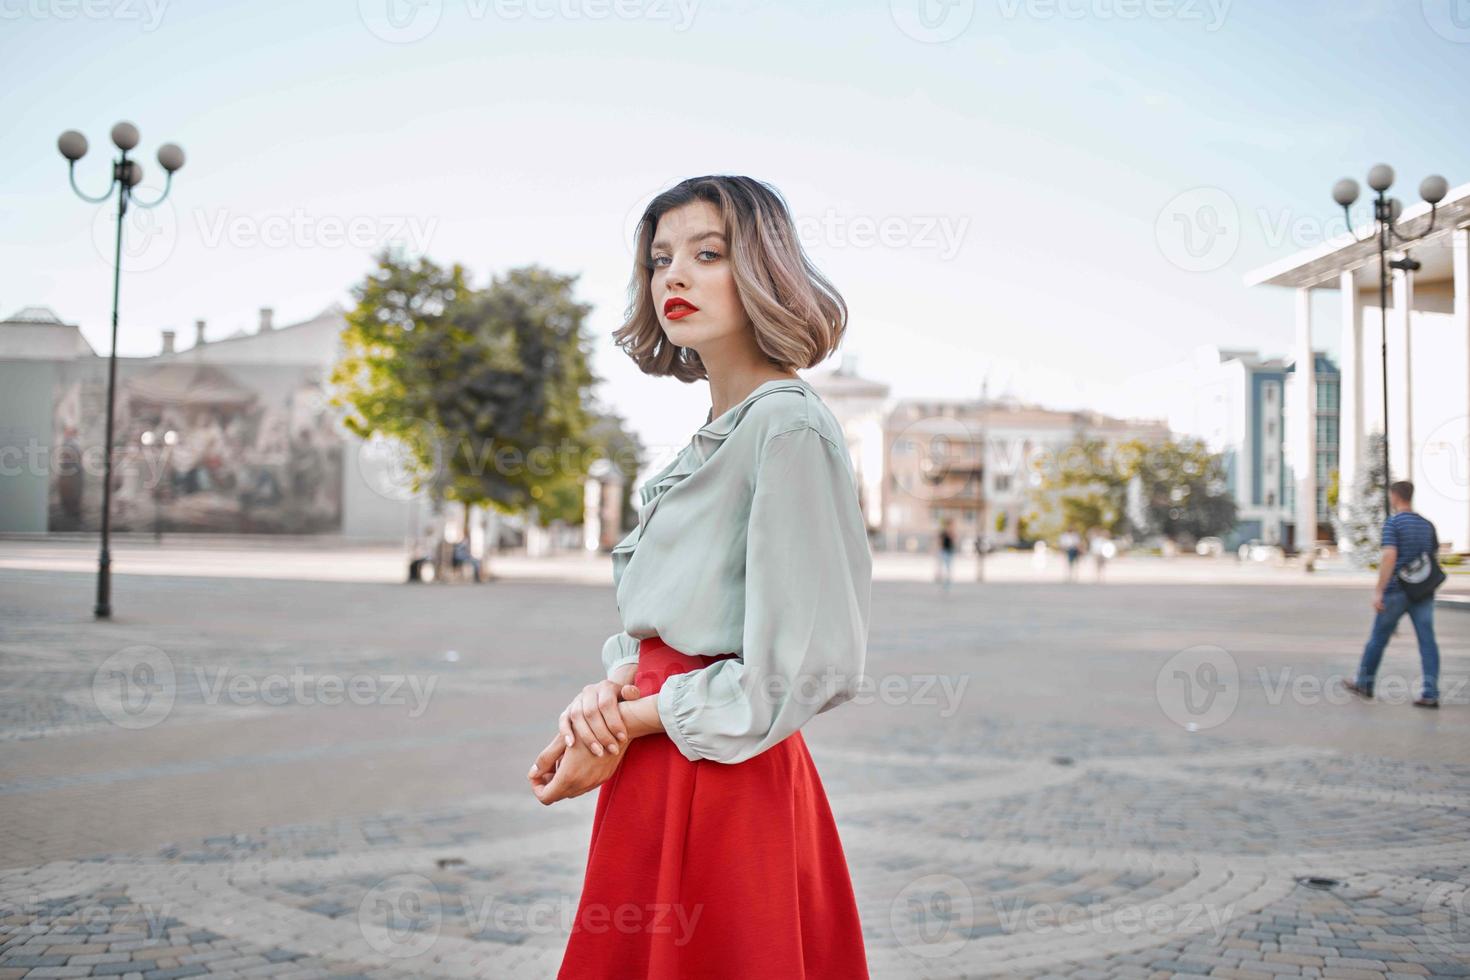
{"x": 199, "y": 448}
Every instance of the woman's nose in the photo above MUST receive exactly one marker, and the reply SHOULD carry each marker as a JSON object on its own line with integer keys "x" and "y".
{"x": 674, "y": 277}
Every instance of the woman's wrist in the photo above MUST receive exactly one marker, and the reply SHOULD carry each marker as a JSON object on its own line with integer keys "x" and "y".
{"x": 640, "y": 716}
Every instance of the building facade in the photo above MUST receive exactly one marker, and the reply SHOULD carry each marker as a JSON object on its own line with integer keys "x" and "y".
{"x": 232, "y": 436}
{"x": 976, "y": 463}
{"x": 1425, "y": 326}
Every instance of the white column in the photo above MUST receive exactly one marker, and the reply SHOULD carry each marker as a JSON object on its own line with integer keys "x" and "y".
{"x": 1460, "y": 259}
{"x": 1403, "y": 400}
{"x": 1304, "y": 440}
{"x": 1350, "y": 406}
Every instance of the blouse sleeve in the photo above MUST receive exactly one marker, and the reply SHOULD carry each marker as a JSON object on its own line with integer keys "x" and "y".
{"x": 808, "y": 582}
{"x": 618, "y": 650}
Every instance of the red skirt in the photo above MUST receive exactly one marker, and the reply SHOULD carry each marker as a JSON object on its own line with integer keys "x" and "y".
{"x": 706, "y": 871}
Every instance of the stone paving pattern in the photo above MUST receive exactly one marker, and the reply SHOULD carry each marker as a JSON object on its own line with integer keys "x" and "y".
{"x": 1048, "y": 817}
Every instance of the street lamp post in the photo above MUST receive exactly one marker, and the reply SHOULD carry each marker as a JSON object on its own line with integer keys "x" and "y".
{"x": 126, "y": 175}
{"x": 1386, "y": 211}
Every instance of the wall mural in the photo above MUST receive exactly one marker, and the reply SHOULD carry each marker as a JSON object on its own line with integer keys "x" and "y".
{"x": 200, "y": 448}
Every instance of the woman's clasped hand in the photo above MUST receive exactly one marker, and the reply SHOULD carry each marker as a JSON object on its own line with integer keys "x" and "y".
{"x": 591, "y": 739}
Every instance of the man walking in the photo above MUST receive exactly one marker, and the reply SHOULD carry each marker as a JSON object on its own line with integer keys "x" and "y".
{"x": 1406, "y": 536}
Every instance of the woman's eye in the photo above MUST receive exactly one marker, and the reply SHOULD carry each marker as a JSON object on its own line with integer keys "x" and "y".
{"x": 712, "y": 254}
{"x": 658, "y": 259}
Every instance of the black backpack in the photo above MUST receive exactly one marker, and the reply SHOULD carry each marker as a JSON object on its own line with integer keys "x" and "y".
{"x": 1421, "y": 576}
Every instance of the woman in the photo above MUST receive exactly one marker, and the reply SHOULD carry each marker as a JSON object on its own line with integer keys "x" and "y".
{"x": 745, "y": 611}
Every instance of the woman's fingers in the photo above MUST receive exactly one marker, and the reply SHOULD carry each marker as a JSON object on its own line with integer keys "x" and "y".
{"x": 612, "y": 715}
{"x": 605, "y": 741}
{"x": 594, "y": 710}
{"x": 581, "y": 729}
{"x": 546, "y": 760}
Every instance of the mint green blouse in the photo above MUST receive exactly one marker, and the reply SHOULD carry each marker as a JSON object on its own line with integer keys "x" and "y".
{"x": 758, "y": 548}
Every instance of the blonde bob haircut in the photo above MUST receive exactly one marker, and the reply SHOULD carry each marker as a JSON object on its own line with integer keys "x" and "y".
{"x": 798, "y": 315}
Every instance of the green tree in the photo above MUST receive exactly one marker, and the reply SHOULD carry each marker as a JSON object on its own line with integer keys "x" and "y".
{"x": 485, "y": 389}
{"x": 1079, "y": 487}
{"x": 1184, "y": 493}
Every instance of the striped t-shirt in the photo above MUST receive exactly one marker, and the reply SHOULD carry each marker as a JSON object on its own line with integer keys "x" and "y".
{"x": 1412, "y": 535}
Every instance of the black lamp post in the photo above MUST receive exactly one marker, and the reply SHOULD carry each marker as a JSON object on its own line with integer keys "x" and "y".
{"x": 1386, "y": 211}
{"x": 126, "y": 175}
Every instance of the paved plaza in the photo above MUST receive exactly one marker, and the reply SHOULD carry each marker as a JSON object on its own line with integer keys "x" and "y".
{"x": 323, "y": 774}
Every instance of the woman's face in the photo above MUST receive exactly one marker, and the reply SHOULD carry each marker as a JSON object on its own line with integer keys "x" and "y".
{"x": 691, "y": 263}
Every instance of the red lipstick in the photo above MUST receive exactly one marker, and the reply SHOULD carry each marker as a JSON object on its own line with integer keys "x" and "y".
{"x": 677, "y": 307}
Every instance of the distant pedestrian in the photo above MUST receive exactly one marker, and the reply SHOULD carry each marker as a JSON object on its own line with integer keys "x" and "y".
{"x": 1409, "y": 546}
{"x": 944, "y": 571}
{"x": 462, "y": 556}
{"x": 1101, "y": 548}
{"x": 1071, "y": 544}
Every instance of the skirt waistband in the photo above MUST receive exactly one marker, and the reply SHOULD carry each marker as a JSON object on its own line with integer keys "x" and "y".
{"x": 657, "y": 662}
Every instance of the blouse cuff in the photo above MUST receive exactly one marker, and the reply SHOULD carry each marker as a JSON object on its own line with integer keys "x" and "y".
{"x": 673, "y": 710}
{"x": 619, "y": 650}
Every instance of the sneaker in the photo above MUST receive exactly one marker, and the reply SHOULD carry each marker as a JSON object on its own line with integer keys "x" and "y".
{"x": 1365, "y": 693}
{"x": 1426, "y": 703}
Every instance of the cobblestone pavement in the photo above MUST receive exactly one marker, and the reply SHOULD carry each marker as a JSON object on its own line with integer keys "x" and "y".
{"x": 262, "y": 778}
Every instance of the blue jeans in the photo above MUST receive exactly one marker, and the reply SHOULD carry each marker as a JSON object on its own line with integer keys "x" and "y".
{"x": 1421, "y": 614}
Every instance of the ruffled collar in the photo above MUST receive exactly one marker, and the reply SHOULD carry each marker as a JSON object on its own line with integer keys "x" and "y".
{"x": 702, "y": 445}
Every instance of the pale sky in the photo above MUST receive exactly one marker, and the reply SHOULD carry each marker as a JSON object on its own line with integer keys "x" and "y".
{"x": 1057, "y": 193}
